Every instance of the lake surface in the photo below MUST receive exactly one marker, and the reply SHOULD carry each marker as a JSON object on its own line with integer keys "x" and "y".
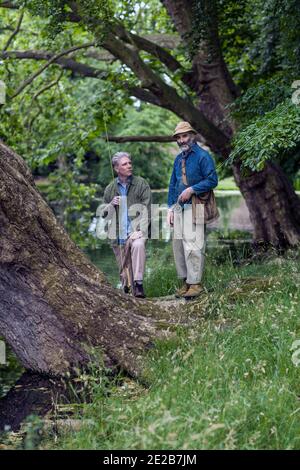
{"x": 234, "y": 220}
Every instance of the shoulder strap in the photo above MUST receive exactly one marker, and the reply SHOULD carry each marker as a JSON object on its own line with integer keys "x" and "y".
{"x": 183, "y": 169}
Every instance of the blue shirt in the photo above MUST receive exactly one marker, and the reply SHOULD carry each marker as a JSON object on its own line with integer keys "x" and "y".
{"x": 125, "y": 222}
{"x": 200, "y": 172}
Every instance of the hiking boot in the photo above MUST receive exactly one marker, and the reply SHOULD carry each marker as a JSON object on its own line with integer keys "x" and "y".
{"x": 126, "y": 290}
{"x": 193, "y": 291}
{"x": 182, "y": 290}
{"x": 139, "y": 291}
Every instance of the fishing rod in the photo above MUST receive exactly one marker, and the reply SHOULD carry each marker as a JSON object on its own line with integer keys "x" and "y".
{"x": 123, "y": 258}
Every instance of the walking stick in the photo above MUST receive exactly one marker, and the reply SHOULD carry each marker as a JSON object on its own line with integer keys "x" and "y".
{"x": 127, "y": 265}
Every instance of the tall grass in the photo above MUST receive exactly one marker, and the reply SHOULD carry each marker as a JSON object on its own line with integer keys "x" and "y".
{"x": 228, "y": 382}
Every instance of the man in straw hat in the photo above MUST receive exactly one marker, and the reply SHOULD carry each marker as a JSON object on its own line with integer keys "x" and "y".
{"x": 127, "y": 208}
{"x": 193, "y": 173}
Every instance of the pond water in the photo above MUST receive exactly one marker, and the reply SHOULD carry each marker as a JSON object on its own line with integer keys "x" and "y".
{"x": 232, "y": 229}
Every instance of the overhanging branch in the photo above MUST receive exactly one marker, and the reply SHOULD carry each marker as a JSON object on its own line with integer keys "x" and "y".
{"x": 166, "y": 95}
{"x": 50, "y": 61}
{"x": 65, "y": 62}
{"x": 9, "y": 5}
{"x": 140, "y": 138}
{"x": 15, "y": 32}
{"x": 148, "y": 46}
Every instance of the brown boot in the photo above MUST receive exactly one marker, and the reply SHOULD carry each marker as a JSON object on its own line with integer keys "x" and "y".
{"x": 193, "y": 291}
{"x": 182, "y": 290}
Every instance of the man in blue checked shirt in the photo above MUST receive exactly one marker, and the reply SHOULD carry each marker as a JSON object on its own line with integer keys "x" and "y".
{"x": 196, "y": 167}
{"x": 123, "y": 197}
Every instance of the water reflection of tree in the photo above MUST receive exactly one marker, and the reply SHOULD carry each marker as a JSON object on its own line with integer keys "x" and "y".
{"x": 226, "y": 204}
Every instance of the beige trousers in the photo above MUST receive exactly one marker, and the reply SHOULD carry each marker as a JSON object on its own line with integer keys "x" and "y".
{"x": 189, "y": 243}
{"x": 131, "y": 259}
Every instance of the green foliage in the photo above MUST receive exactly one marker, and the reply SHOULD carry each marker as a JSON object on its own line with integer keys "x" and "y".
{"x": 72, "y": 202}
{"x": 227, "y": 184}
{"x": 143, "y": 17}
{"x": 205, "y": 16}
{"x": 33, "y": 431}
{"x": 161, "y": 278}
{"x": 274, "y": 135}
{"x": 261, "y": 98}
{"x": 258, "y": 37}
{"x": 9, "y": 372}
{"x": 225, "y": 382}
{"x": 268, "y": 116}
{"x": 297, "y": 181}
{"x": 236, "y": 32}
{"x": 152, "y": 160}
{"x": 95, "y": 13}
{"x": 278, "y": 41}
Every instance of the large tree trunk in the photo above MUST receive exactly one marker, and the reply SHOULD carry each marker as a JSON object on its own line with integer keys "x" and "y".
{"x": 33, "y": 394}
{"x": 273, "y": 205}
{"x": 56, "y": 309}
{"x": 272, "y": 202}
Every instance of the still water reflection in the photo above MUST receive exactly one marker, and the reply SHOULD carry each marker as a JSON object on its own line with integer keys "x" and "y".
{"x": 234, "y": 219}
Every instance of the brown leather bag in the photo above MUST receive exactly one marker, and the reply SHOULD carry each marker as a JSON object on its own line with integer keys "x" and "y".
{"x": 211, "y": 211}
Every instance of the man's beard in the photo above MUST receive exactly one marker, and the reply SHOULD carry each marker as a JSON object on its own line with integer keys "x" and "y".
{"x": 186, "y": 147}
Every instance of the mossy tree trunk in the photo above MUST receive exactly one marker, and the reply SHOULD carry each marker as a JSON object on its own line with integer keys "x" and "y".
{"x": 55, "y": 306}
{"x": 273, "y": 205}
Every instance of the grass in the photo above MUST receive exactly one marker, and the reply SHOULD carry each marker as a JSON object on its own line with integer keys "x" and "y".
{"x": 227, "y": 184}
{"x": 228, "y": 382}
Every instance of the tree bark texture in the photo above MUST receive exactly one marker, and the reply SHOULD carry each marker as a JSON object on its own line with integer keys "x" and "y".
{"x": 33, "y": 394}
{"x": 210, "y": 79}
{"x": 270, "y": 197}
{"x": 56, "y": 308}
{"x": 273, "y": 205}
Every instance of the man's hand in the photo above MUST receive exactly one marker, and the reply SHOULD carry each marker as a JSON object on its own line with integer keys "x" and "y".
{"x": 115, "y": 201}
{"x": 136, "y": 234}
{"x": 186, "y": 195}
{"x": 170, "y": 218}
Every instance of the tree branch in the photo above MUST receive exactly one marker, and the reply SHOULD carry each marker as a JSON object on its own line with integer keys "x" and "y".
{"x": 15, "y": 32}
{"x": 9, "y": 5}
{"x": 47, "y": 87}
{"x": 6, "y": 28}
{"x": 153, "y": 88}
{"x": 35, "y": 98}
{"x": 148, "y": 46}
{"x": 140, "y": 138}
{"x": 143, "y": 95}
{"x": 166, "y": 96}
{"x": 65, "y": 62}
{"x": 165, "y": 139}
{"x": 156, "y": 50}
{"x": 50, "y": 61}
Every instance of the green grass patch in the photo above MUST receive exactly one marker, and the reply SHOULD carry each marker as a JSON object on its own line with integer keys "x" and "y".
{"x": 228, "y": 382}
{"x": 227, "y": 184}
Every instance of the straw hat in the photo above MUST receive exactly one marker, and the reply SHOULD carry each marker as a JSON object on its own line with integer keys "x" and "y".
{"x": 183, "y": 127}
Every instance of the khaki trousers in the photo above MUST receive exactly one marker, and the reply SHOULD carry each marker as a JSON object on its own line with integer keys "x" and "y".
{"x": 131, "y": 259}
{"x": 189, "y": 243}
